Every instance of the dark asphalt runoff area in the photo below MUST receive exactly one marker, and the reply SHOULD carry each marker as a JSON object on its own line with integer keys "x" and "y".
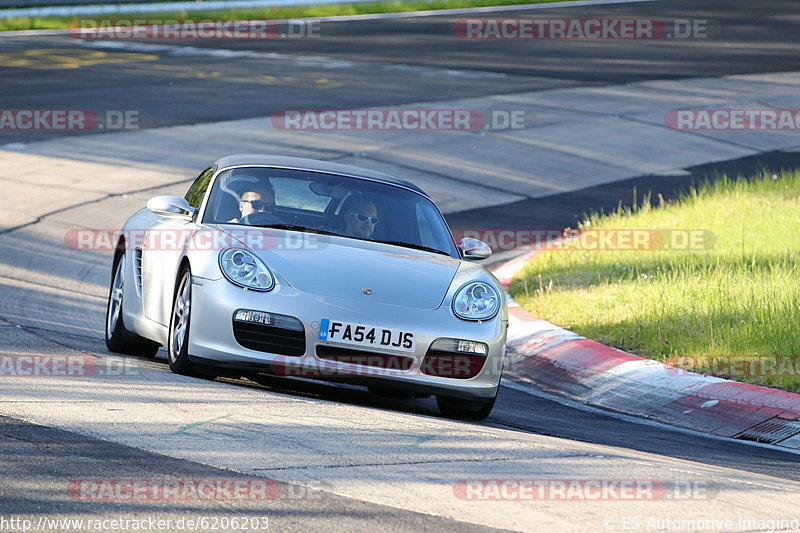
{"x": 169, "y": 89}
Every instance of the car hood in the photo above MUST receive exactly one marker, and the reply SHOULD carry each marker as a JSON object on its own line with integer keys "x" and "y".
{"x": 340, "y": 267}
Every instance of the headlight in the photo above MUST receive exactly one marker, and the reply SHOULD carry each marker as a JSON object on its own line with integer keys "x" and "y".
{"x": 245, "y": 269}
{"x": 476, "y": 301}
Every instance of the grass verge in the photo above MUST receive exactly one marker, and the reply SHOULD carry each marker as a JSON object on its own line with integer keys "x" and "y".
{"x": 262, "y": 13}
{"x": 731, "y": 309}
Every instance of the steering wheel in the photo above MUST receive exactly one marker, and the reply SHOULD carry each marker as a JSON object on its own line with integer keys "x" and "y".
{"x": 261, "y": 218}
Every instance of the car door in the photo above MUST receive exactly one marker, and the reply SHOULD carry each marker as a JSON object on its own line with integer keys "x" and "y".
{"x": 162, "y": 249}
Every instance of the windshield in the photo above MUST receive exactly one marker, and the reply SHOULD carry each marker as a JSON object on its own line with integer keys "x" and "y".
{"x": 328, "y": 203}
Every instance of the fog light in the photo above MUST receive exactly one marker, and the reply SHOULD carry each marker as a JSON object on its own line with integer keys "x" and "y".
{"x": 255, "y": 317}
{"x": 472, "y": 347}
{"x": 460, "y": 346}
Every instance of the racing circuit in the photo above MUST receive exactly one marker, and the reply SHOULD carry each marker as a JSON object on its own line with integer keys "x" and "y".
{"x": 590, "y": 129}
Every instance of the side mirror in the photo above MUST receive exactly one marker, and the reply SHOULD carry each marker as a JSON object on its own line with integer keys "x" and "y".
{"x": 170, "y": 206}
{"x": 474, "y": 249}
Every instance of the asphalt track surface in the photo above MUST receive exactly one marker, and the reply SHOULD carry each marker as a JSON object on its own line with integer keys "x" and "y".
{"x": 743, "y": 37}
{"x": 751, "y": 37}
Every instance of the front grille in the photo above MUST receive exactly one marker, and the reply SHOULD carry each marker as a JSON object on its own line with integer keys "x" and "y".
{"x": 452, "y": 365}
{"x": 270, "y": 339}
{"x": 364, "y": 358}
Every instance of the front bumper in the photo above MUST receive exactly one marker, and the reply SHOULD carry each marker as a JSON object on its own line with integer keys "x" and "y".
{"x": 212, "y": 340}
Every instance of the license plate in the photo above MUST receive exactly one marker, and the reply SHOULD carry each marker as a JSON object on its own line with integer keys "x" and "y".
{"x": 366, "y": 336}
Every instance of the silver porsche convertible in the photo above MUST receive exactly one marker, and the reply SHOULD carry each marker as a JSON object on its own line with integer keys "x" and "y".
{"x": 300, "y": 268}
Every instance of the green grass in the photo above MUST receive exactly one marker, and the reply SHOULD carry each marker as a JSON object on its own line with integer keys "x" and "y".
{"x": 741, "y": 297}
{"x": 264, "y": 13}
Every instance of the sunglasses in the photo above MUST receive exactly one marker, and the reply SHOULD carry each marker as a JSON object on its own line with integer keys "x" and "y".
{"x": 258, "y": 205}
{"x": 363, "y": 218}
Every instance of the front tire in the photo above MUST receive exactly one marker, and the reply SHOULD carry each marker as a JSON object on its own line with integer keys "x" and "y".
{"x": 178, "y": 349}
{"x": 118, "y": 338}
{"x": 465, "y": 409}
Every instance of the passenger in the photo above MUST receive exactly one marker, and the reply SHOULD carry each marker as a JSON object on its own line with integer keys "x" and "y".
{"x": 360, "y": 217}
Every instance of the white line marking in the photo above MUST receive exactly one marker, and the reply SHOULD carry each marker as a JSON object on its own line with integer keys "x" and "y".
{"x": 299, "y": 60}
{"x": 469, "y": 10}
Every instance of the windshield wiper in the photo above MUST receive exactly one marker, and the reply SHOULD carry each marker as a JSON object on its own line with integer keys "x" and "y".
{"x": 414, "y": 246}
{"x": 295, "y": 227}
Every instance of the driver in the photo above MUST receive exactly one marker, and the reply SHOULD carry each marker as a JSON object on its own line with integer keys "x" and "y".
{"x": 257, "y": 198}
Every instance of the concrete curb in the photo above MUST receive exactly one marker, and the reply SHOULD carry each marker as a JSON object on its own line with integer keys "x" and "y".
{"x": 565, "y": 363}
